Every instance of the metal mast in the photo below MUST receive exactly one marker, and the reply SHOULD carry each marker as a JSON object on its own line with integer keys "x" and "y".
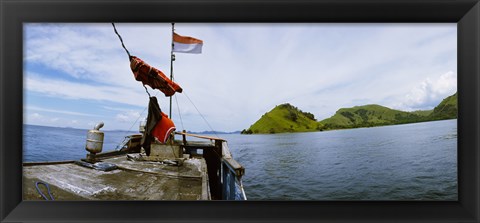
{"x": 172, "y": 58}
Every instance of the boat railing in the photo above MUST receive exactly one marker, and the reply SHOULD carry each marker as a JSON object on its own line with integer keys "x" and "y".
{"x": 232, "y": 173}
{"x": 222, "y": 167}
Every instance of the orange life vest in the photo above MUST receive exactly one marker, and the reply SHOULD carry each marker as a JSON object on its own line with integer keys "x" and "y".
{"x": 153, "y": 77}
{"x": 163, "y": 129}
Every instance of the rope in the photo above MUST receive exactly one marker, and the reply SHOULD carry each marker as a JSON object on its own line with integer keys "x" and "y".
{"x": 40, "y": 192}
{"x": 214, "y": 132}
{"x": 179, "y": 114}
{"x": 121, "y": 40}
{"x": 137, "y": 117}
{"x": 147, "y": 91}
{"x": 129, "y": 56}
{"x": 178, "y": 107}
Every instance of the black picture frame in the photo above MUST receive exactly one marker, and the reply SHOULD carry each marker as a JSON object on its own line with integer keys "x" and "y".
{"x": 466, "y": 13}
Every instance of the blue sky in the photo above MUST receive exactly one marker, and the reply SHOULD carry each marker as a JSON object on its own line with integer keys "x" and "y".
{"x": 76, "y": 75}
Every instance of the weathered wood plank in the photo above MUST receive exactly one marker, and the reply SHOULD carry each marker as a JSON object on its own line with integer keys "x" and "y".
{"x": 47, "y": 163}
{"x": 199, "y": 136}
{"x": 132, "y": 181}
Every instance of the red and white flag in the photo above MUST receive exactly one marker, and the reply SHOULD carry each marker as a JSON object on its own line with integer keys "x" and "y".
{"x": 186, "y": 44}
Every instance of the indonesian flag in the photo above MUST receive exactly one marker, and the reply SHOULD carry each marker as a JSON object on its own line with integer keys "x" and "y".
{"x": 186, "y": 44}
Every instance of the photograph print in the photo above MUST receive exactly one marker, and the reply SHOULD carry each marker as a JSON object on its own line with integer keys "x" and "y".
{"x": 240, "y": 111}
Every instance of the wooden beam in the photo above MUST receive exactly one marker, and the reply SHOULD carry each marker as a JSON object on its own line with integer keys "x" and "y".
{"x": 199, "y": 136}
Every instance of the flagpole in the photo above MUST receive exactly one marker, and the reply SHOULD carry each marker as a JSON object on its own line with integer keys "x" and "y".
{"x": 172, "y": 58}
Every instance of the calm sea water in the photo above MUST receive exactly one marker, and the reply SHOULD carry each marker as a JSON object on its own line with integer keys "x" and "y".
{"x": 402, "y": 162}
{"x": 42, "y": 143}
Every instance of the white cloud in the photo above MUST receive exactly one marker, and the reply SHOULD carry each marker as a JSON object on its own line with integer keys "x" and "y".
{"x": 54, "y": 119}
{"x": 91, "y": 124}
{"x": 34, "y": 108}
{"x": 129, "y": 116}
{"x": 35, "y": 117}
{"x": 72, "y": 90}
{"x": 79, "y": 51}
{"x": 429, "y": 93}
{"x": 40, "y": 119}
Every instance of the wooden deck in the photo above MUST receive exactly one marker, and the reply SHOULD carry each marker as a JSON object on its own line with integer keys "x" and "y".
{"x": 133, "y": 180}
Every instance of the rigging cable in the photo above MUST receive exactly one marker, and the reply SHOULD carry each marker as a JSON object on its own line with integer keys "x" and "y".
{"x": 178, "y": 107}
{"x": 179, "y": 114}
{"x": 147, "y": 91}
{"x": 124, "y": 139}
{"x": 121, "y": 40}
{"x": 139, "y": 116}
{"x": 214, "y": 132}
{"x": 129, "y": 57}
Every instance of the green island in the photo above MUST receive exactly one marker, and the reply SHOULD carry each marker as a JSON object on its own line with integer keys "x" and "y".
{"x": 286, "y": 118}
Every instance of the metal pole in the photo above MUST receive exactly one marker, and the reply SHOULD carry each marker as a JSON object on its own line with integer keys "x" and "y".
{"x": 172, "y": 58}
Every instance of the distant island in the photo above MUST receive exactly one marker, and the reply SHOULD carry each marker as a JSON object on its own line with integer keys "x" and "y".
{"x": 288, "y": 118}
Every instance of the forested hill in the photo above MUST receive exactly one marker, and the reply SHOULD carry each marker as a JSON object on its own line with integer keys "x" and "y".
{"x": 447, "y": 109}
{"x": 371, "y": 115}
{"x": 288, "y": 118}
{"x": 284, "y": 118}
